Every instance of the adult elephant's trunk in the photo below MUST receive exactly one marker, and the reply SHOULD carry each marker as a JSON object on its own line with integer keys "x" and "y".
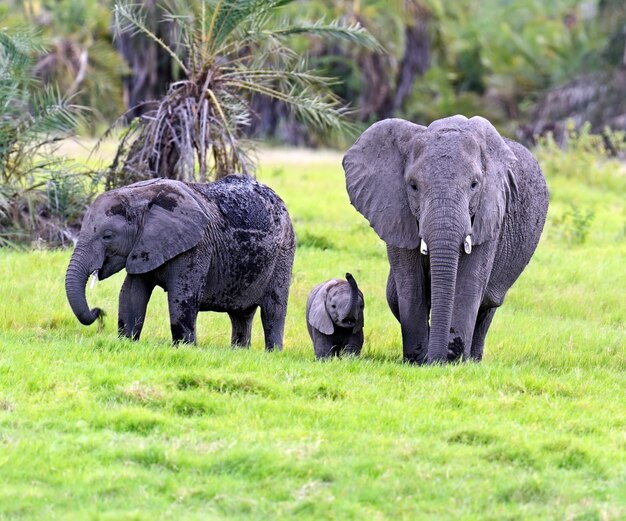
{"x": 444, "y": 232}
{"x": 81, "y": 266}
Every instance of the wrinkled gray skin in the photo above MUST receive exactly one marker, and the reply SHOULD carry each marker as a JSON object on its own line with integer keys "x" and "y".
{"x": 458, "y": 178}
{"x": 334, "y": 317}
{"x": 226, "y": 246}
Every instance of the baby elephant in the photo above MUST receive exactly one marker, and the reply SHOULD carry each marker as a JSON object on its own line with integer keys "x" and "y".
{"x": 334, "y": 317}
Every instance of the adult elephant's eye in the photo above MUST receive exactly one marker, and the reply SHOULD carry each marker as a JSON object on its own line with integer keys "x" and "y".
{"x": 474, "y": 185}
{"x": 107, "y": 236}
{"x": 413, "y": 186}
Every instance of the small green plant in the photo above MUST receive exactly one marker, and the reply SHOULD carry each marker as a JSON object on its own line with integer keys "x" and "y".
{"x": 573, "y": 225}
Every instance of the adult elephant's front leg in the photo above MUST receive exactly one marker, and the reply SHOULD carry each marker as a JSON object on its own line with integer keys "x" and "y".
{"x": 134, "y": 297}
{"x": 412, "y": 292}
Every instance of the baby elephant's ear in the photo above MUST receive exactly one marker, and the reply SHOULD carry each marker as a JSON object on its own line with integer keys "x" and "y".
{"x": 317, "y": 315}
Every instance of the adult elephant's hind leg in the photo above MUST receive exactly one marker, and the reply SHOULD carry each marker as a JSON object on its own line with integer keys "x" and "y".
{"x": 134, "y": 297}
{"x": 483, "y": 321}
{"x": 242, "y": 327}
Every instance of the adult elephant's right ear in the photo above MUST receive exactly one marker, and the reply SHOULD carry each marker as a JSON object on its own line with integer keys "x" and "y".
{"x": 374, "y": 168}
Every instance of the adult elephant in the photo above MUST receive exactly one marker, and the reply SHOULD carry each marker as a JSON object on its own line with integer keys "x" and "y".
{"x": 461, "y": 210}
{"x": 225, "y": 246}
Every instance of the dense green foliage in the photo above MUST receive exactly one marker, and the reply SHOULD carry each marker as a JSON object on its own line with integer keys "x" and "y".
{"x": 96, "y": 427}
{"x": 39, "y": 193}
{"x": 493, "y": 57}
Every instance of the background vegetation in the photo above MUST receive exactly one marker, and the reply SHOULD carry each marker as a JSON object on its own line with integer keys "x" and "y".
{"x": 193, "y": 81}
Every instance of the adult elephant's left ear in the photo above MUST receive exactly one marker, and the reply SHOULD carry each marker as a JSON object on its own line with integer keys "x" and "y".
{"x": 173, "y": 223}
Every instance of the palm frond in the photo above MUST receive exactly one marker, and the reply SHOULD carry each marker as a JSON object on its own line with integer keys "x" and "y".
{"x": 230, "y": 14}
{"x": 52, "y": 114}
{"x": 354, "y": 33}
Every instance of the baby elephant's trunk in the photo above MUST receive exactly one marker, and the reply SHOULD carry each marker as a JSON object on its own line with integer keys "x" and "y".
{"x": 354, "y": 296}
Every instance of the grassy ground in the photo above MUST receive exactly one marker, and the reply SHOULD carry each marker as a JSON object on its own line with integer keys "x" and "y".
{"x": 95, "y": 427}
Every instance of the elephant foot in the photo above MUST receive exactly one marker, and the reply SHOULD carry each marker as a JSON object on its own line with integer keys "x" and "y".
{"x": 414, "y": 359}
{"x": 456, "y": 349}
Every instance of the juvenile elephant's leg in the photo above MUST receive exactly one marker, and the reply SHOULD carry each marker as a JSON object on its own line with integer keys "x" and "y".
{"x": 183, "y": 314}
{"x": 412, "y": 301}
{"x": 485, "y": 316}
{"x": 274, "y": 303}
{"x": 273, "y": 313}
{"x": 134, "y": 297}
{"x": 242, "y": 327}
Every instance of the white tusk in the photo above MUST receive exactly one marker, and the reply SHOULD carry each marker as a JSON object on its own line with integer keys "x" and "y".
{"x": 94, "y": 279}
{"x": 467, "y": 244}
{"x": 423, "y": 248}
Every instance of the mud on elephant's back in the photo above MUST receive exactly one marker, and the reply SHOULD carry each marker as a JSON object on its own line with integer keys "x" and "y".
{"x": 245, "y": 203}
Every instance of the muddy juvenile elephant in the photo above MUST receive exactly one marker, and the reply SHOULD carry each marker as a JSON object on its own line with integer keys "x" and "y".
{"x": 461, "y": 210}
{"x": 226, "y": 246}
{"x": 334, "y": 317}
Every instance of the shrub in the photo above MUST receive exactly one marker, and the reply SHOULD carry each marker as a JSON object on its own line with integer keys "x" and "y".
{"x": 587, "y": 157}
{"x": 42, "y": 196}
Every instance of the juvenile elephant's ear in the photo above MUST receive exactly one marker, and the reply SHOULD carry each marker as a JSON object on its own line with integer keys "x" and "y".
{"x": 318, "y": 316}
{"x": 497, "y": 159}
{"x": 173, "y": 223}
{"x": 374, "y": 168}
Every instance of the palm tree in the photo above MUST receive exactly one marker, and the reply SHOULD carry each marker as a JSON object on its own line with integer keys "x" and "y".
{"x": 227, "y": 51}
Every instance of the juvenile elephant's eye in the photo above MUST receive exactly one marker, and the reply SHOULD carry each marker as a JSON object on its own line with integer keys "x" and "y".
{"x": 413, "y": 186}
{"x": 107, "y": 236}
{"x": 334, "y": 307}
{"x": 474, "y": 185}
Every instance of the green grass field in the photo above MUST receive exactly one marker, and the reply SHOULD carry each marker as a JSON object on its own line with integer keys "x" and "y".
{"x": 94, "y": 427}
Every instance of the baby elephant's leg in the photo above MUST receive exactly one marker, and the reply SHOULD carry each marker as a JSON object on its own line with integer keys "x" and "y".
{"x": 322, "y": 344}
{"x": 354, "y": 344}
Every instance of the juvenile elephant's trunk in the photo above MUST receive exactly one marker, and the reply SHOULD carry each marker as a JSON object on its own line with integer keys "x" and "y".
{"x": 445, "y": 233}
{"x": 78, "y": 271}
